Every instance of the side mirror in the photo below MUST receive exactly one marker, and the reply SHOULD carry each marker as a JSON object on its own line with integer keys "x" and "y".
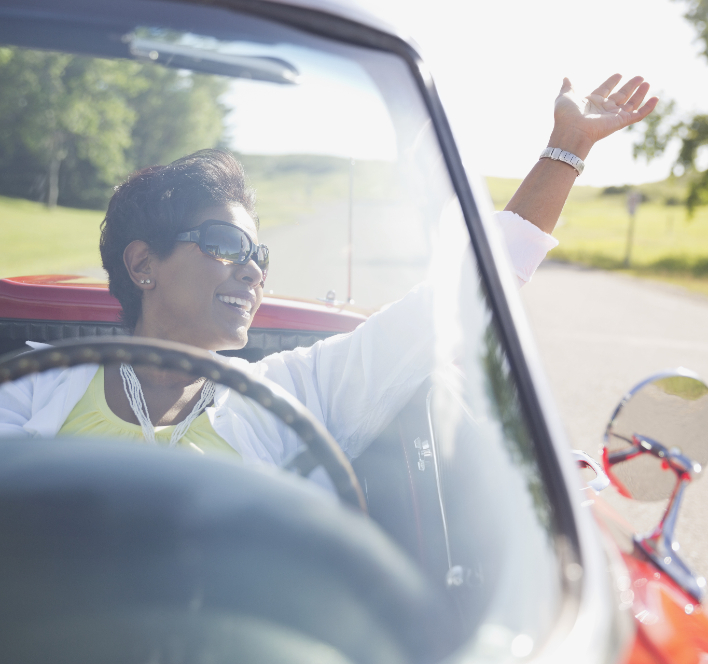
{"x": 655, "y": 444}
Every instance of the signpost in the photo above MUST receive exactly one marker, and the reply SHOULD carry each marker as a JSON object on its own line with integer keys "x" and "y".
{"x": 633, "y": 201}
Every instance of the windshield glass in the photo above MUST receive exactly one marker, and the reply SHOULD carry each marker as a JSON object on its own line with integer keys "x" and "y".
{"x": 357, "y": 210}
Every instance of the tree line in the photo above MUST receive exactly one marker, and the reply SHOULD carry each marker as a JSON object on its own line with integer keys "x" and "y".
{"x": 72, "y": 127}
{"x": 666, "y": 125}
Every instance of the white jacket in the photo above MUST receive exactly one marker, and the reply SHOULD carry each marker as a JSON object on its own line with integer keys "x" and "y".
{"x": 352, "y": 383}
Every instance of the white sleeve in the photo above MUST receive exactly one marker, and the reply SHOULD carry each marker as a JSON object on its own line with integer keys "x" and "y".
{"x": 356, "y": 383}
{"x": 16, "y": 404}
{"x": 15, "y": 407}
{"x": 527, "y": 244}
{"x": 36, "y": 406}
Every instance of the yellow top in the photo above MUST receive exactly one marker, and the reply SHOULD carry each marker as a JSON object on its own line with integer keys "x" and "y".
{"x": 91, "y": 416}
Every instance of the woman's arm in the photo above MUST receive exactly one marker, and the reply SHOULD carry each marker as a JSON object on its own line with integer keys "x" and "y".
{"x": 579, "y": 124}
{"x": 15, "y": 407}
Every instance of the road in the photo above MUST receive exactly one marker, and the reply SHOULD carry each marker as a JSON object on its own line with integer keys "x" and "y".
{"x": 599, "y": 334}
{"x": 309, "y": 258}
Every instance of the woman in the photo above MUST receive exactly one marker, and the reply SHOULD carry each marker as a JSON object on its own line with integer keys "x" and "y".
{"x": 165, "y": 238}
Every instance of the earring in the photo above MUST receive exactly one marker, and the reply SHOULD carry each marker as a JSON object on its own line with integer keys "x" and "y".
{"x": 147, "y": 281}
{"x": 142, "y": 281}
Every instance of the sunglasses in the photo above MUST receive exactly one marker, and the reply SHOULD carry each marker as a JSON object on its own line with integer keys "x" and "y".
{"x": 227, "y": 242}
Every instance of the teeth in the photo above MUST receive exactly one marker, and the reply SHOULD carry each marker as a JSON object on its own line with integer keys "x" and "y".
{"x": 229, "y": 299}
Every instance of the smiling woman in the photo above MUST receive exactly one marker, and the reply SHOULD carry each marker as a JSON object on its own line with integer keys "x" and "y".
{"x": 175, "y": 281}
{"x": 190, "y": 295}
{"x": 148, "y": 212}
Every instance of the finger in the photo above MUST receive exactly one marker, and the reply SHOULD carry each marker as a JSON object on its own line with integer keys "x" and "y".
{"x": 644, "y": 110}
{"x": 637, "y": 98}
{"x": 566, "y": 87}
{"x": 625, "y": 92}
{"x": 607, "y": 87}
{"x": 640, "y": 114}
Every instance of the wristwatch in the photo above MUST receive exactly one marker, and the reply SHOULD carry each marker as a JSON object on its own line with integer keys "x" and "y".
{"x": 561, "y": 155}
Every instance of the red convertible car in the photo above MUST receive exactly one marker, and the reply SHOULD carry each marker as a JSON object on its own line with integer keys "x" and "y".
{"x": 464, "y": 531}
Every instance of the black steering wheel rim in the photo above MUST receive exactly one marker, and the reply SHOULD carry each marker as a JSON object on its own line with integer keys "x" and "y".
{"x": 199, "y": 363}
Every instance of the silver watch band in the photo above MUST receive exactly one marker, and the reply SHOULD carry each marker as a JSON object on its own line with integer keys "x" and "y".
{"x": 561, "y": 155}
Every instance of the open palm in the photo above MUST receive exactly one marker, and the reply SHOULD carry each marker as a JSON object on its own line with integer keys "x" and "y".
{"x": 601, "y": 113}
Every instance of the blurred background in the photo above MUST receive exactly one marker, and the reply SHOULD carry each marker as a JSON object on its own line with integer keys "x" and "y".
{"x": 498, "y": 67}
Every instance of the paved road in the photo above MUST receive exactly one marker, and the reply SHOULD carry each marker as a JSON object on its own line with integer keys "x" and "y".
{"x": 599, "y": 334}
{"x": 309, "y": 258}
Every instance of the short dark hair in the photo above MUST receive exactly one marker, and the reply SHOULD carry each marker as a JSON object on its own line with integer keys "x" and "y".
{"x": 156, "y": 203}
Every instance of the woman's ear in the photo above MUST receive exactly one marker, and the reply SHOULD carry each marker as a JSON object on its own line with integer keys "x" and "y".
{"x": 139, "y": 262}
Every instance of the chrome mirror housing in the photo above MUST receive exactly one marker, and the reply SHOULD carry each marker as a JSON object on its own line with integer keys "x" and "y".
{"x": 584, "y": 460}
{"x": 656, "y": 444}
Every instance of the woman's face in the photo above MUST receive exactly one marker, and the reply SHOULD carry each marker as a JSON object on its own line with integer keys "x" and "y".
{"x": 192, "y": 300}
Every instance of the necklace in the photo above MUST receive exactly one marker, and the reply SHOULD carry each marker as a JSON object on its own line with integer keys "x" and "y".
{"x": 136, "y": 399}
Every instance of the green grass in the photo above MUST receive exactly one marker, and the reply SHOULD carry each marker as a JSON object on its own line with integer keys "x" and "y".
{"x": 682, "y": 386}
{"x": 593, "y": 231}
{"x": 36, "y": 240}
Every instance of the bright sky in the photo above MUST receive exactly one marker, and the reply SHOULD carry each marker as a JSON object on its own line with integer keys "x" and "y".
{"x": 499, "y": 65}
{"x": 357, "y": 122}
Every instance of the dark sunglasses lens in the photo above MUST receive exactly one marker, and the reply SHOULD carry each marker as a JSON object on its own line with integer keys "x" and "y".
{"x": 228, "y": 242}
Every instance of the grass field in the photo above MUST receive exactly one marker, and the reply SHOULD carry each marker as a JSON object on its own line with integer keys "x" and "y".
{"x": 592, "y": 230}
{"x": 35, "y": 240}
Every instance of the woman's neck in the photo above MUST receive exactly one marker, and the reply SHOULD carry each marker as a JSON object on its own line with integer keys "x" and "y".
{"x": 153, "y": 377}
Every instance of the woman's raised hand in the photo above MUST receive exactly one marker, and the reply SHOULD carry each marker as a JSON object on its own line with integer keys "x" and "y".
{"x": 579, "y": 123}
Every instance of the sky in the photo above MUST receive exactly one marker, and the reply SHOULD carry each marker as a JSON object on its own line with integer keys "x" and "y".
{"x": 334, "y": 110}
{"x": 500, "y": 63}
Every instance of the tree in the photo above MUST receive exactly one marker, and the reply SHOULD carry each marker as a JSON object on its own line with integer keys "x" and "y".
{"x": 71, "y": 126}
{"x": 54, "y": 105}
{"x": 183, "y": 117}
{"x": 665, "y": 126}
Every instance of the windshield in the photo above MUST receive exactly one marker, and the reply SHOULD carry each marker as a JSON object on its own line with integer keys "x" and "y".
{"x": 357, "y": 210}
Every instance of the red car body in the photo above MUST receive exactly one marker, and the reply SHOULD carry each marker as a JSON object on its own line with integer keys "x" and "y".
{"x": 56, "y": 298}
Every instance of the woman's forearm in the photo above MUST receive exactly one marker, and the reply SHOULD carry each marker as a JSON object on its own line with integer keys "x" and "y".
{"x": 541, "y": 196}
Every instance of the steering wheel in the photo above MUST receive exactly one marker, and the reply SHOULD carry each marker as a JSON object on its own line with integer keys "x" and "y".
{"x": 321, "y": 448}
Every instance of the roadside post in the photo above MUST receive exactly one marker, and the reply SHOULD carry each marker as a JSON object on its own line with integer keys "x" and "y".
{"x": 633, "y": 201}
